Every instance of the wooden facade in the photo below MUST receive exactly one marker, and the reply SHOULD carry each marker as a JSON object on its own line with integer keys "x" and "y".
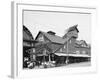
{"x": 27, "y": 46}
{"x": 68, "y": 44}
{"x": 48, "y": 47}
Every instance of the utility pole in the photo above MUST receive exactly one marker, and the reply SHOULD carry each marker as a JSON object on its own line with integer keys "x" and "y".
{"x": 67, "y": 60}
{"x": 67, "y": 52}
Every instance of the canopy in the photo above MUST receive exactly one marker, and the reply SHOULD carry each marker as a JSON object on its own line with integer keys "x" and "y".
{"x": 73, "y": 55}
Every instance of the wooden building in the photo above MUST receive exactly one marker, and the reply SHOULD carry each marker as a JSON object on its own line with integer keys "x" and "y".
{"x": 49, "y": 47}
{"x": 48, "y": 43}
{"x": 75, "y": 50}
{"x": 28, "y": 46}
{"x": 66, "y": 48}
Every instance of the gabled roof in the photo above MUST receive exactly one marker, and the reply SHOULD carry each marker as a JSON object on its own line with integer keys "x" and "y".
{"x": 27, "y": 34}
{"x": 53, "y": 38}
{"x": 82, "y": 43}
{"x": 73, "y": 28}
{"x": 40, "y": 47}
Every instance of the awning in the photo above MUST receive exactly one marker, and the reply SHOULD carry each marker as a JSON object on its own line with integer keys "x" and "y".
{"x": 41, "y": 55}
{"x": 73, "y": 55}
{"x": 61, "y": 54}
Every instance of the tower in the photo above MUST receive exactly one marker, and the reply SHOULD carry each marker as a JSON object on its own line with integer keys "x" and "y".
{"x": 72, "y": 32}
{"x": 72, "y": 35}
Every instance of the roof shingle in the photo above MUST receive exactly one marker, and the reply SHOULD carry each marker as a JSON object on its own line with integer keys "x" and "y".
{"x": 54, "y": 38}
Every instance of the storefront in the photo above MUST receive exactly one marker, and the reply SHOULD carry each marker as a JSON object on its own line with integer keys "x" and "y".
{"x": 71, "y": 58}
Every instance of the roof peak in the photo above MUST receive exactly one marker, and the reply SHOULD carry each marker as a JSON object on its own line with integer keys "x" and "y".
{"x": 73, "y": 28}
{"x": 27, "y": 34}
{"x": 53, "y": 38}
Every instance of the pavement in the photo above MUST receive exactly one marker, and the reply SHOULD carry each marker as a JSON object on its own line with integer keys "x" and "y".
{"x": 81, "y": 64}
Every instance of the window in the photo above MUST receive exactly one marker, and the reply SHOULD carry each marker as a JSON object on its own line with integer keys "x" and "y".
{"x": 41, "y": 38}
{"x": 83, "y": 45}
{"x": 70, "y": 41}
{"x": 77, "y": 52}
{"x": 33, "y": 50}
{"x": 64, "y": 47}
{"x": 61, "y": 49}
{"x": 33, "y": 57}
{"x": 83, "y": 52}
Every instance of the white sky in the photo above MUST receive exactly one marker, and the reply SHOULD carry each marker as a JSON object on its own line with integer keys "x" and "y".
{"x": 58, "y": 22}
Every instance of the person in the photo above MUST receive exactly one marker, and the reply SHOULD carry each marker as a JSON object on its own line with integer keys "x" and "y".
{"x": 25, "y": 64}
{"x": 66, "y": 61}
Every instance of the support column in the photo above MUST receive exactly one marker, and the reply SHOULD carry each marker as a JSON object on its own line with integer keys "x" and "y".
{"x": 49, "y": 58}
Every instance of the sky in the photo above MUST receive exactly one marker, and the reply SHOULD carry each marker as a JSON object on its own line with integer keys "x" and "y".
{"x": 58, "y": 23}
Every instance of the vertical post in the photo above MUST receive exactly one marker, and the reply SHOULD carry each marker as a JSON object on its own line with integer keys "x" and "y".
{"x": 44, "y": 58}
{"x": 34, "y": 54}
{"x": 67, "y": 53}
{"x": 44, "y": 53}
{"x": 31, "y": 57}
{"x": 49, "y": 58}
